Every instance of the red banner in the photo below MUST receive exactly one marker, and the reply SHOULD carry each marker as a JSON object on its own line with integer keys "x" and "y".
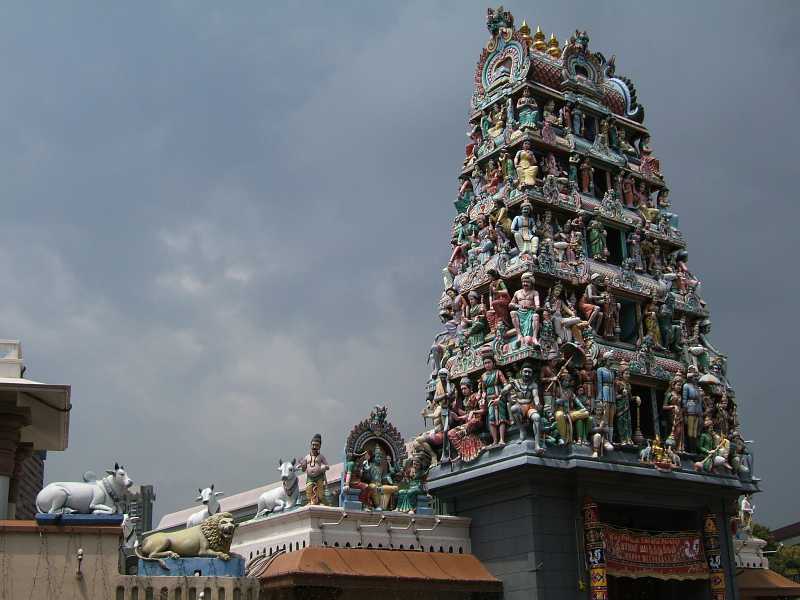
{"x": 631, "y": 553}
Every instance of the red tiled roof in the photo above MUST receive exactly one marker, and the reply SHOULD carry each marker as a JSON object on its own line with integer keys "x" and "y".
{"x": 360, "y": 566}
{"x": 765, "y": 583}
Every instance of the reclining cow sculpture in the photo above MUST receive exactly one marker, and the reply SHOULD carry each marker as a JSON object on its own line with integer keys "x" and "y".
{"x": 211, "y": 506}
{"x": 100, "y": 497}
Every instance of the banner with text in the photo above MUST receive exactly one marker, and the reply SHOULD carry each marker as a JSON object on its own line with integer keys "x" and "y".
{"x": 632, "y": 553}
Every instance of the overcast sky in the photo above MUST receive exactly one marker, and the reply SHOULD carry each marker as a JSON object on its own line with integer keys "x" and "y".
{"x": 224, "y": 226}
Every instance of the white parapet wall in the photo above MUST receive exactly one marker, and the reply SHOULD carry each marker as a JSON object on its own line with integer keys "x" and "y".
{"x": 323, "y": 526}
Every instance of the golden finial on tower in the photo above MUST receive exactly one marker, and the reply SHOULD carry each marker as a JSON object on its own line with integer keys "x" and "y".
{"x": 538, "y": 40}
{"x": 525, "y": 32}
{"x": 553, "y": 48}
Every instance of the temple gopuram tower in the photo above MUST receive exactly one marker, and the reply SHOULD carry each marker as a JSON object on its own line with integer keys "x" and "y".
{"x": 580, "y": 414}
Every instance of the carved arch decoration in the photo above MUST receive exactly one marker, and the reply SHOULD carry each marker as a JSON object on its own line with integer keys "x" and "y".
{"x": 504, "y": 61}
{"x": 375, "y": 429}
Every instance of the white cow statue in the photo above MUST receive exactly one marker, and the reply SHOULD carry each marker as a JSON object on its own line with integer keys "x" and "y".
{"x": 100, "y": 496}
{"x": 209, "y": 498}
{"x": 283, "y": 497}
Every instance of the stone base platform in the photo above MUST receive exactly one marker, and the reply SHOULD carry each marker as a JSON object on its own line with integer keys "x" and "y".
{"x": 189, "y": 567}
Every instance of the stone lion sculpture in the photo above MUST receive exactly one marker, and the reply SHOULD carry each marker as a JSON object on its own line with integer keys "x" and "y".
{"x": 212, "y": 538}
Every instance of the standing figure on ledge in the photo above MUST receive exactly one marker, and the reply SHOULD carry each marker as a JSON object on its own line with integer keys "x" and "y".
{"x": 624, "y": 401}
{"x": 314, "y": 466}
{"x": 524, "y": 228}
{"x": 635, "y": 249}
{"x": 611, "y": 308}
{"x": 606, "y": 393}
{"x": 475, "y": 325}
{"x": 596, "y": 234}
{"x": 674, "y": 405}
{"x": 465, "y": 437}
{"x": 693, "y": 409}
{"x": 415, "y": 479}
{"x": 524, "y": 305}
{"x": 508, "y": 169}
{"x": 499, "y": 298}
{"x": 599, "y": 430}
{"x": 586, "y": 177}
{"x": 498, "y": 124}
{"x": 524, "y": 394}
{"x": 527, "y": 110}
{"x": 431, "y": 441}
{"x": 491, "y": 386}
{"x": 525, "y": 163}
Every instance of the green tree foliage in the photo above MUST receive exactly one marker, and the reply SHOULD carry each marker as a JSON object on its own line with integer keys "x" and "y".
{"x": 786, "y": 561}
{"x": 763, "y": 532}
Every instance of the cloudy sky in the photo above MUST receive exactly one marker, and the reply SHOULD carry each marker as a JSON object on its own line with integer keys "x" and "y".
{"x": 224, "y": 227}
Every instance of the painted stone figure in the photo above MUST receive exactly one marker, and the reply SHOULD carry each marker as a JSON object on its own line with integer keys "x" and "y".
{"x": 407, "y": 497}
{"x": 589, "y": 302}
{"x": 499, "y": 298}
{"x": 475, "y": 325}
{"x": 352, "y": 477}
{"x": 465, "y": 436}
{"x": 572, "y": 417}
{"x": 599, "y": 430}
{"x": 524, "y": 228}
{"x": 379, "y": 471}
{"x": 596, "y": 235}
{"x": 524, "y": 305}
{"x": 431, "y": 441}
{"x": 525, "y": 163}
{"x": 693, "y": 409}
{"x": 497, "y": 123}
{"x": 628, "y": 195}
{"x": 549, "y": 114}
{"x": 491, "y": 386}
{"x": 635, "y": 249}
{"x": 507, "y": 168}
{"x": 527, "y": 110}
{"x": 606, "y": 393}
{"x": 314, "y": 465}
{"x": 523, "y": 393}
{"x": 624, "y": 401}
{"x": 586, "y": 172}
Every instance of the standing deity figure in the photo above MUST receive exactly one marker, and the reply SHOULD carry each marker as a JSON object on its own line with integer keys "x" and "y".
{"x": 524, "y": 305}
{"x": 673, "y": 404}
{"x": 527, "y": 110}
{"x": 596, "y": 235}
{"x": 599, "y": 429}
{"x": 379, "y": 472}
{"x": 610, "y": 308}
{"x": 491, "y": 386}
{"x": 524, "y": 229}
{"x": 314, "y": 466}
{"x": 465, "y": 436}
{"x": 548, "y": 339}
{"x": 431, "y": 442}
{"x": 548, "y": 376}
{"x": 606, "y": 396}
{"x": 486, "y": 124}
{"x": 624, "y": 401}
{"x": 746, "y": 510}
{"x": 628, "y": 191}
{"x": 524, "y": 396}
{"x": 574, "y": 166}
{"x": 572, "y": 417}
{"x": 586, "y": 176}
{"x": 474, "y": 325}
{"x": 499, "y": 298}
{"x": 650, "y": 323}
{"x": 509, "y": 171}
{"x": 693, "y": 409}
{"x": 525, "y": 163}
{"x": 578, "y": 122}
{"x": 587, "y": 379}
{"x": 635, "y": 249}
{"x": 494, "y": 177}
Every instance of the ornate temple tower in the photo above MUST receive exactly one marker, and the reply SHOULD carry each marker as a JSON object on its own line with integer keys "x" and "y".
{"x": 581, "y": 416}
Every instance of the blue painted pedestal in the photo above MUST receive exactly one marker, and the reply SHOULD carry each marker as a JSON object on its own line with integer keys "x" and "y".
{"x": 76, "y": 519}
{"x": 206, "y": 567}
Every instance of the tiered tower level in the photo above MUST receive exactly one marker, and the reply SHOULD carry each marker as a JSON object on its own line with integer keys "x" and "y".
{"x": 575, "y": 342}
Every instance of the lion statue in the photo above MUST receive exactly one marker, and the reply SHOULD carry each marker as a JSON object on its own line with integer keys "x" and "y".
{"x": 211, "y": 538}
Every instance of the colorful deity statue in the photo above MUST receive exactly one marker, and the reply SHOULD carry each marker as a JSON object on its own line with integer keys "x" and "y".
{"x": 353, "y": 468}
{"x": 475, "y": 326}
{"x": 527, "y": 110}
{"x": 596, "y": 235}
{"x": 590, "y": 300}
{"x": 610, "y": 308}
{"x": 507, "y": 168}
{"x": 497, "y": 123}
{"x": 431, "y": 442}
{"x": 407, "y": 497}
{"x": 628, "y": 191}
{"x": 523, "y": 394}
{"x": 606, "y": 392}
{"x": 499, "y": 298}
{"x": 494, "y": 177}
{"x": 548, "y": 338}
{"x": 572, "y": 417}
{"x": 465, "y": 436}
{"x": 549, "y": 114}
{"x": 524, "y": 305}
{"x": 624, "y": 144}
{"x": 314, "y": 465}
{"x": 635, "y": 249}
{"x": 716, "y": 449}
{"x": 586, "y": 174}
{"x": 527, "y": 168}
{"x": 600, "y": 431}
{"x": 491, "y": 386}
{"x": 624, "y": 401}
{"x": 692, "y": 401}
{"x": 524, "y": 228}
{"x": 379, "y": 472}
